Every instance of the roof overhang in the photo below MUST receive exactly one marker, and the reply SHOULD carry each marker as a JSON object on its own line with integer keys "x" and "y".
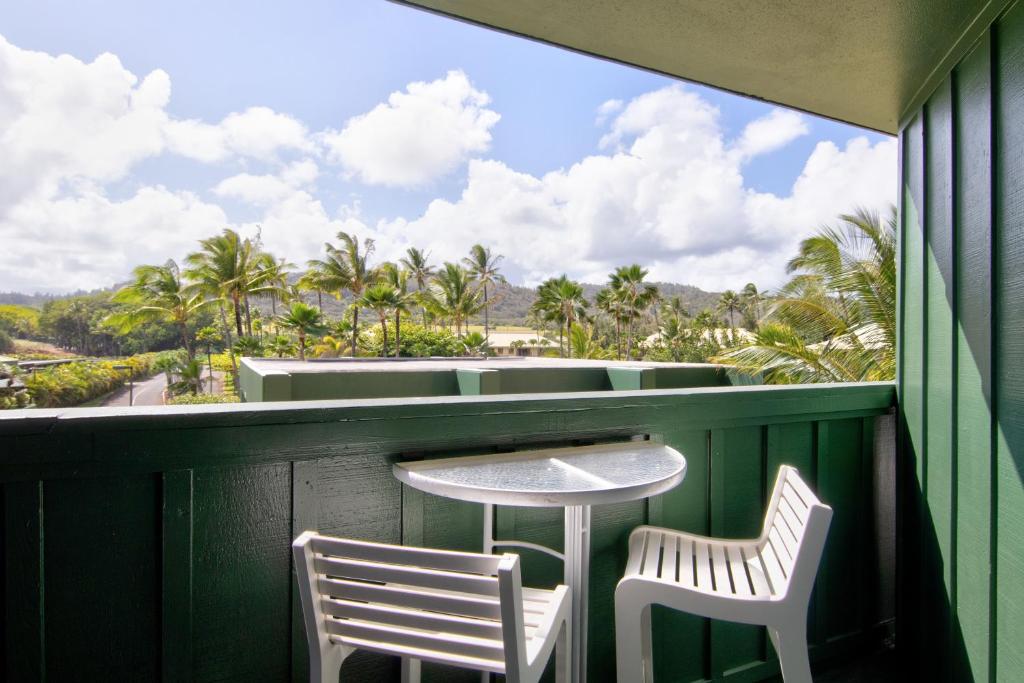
{"x": 865, "y": 62}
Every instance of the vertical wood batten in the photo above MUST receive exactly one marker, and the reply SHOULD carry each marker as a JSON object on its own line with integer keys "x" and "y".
{"x": 939, "y": 288}
{"x": 176, "y": 576}
{"x": 1009, "y": 312}
{"x": 24, "y": 602}
{"x": 973, "y": 521}
{"x": 304, "y": 517}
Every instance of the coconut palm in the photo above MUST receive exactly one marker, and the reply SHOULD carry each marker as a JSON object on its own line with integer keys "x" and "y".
{"x": 561, "y": 301}
{"x": 484, "y": 267}
{"x": 305, "y": 321}
{"x": 158, "y": 293}
{"x": 417, "y": 263}
{"x": 637, "y": 296}
{"x": 609, "y": 301}
{"x": 752, "y": 300}
{"x": 382, "y": 299}
{"x": 398, "y": 278}
{"x": 729, "y": 302}
{"x": 346, "y": 269}
{"x": 228, "y": 267}
{"x": 453, "y": 295}
{"x": 835, "y": 321}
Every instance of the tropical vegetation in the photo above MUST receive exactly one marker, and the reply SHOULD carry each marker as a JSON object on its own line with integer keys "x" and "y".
{"x": 833, "y": 321}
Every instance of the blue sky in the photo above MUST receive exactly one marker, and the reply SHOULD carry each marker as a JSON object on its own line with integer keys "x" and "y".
{"x": 321, "y": 63}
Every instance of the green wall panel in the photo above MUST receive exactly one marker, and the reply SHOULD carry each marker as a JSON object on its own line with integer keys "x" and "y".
{"x": 1009, "y": 316}
{"x": 973, "y": 225}
{"x": 163, "y": 536}
{"x": 962, "y": 396}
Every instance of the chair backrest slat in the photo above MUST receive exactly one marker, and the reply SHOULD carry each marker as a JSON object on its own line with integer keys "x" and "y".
{"x": 478, "y": 648}
{"x": 427, "y": 604}
{"x": 412, "y": 618}
{"x": 427, "y": 558}
{"x": 417, "y": 598}
{"x": 795, "y": 528}
{"x": 406, "y": 575}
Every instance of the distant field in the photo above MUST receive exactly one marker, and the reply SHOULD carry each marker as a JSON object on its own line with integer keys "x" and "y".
{"x": 503, "y": 328}
{"x": 24, "y": 347}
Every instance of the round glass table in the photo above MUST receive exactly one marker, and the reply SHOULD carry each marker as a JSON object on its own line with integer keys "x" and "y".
{"x": 572, "y": 478}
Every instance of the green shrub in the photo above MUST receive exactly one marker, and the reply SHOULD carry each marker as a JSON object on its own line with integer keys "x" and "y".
{"x": 201, "y": 399}
{"x": 6, "y": 343}
{"x": 417, "y": 341}
{"x": 72, "y": 384}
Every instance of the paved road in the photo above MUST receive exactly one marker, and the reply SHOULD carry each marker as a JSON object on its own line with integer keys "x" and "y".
{"x": 147, "y": 392}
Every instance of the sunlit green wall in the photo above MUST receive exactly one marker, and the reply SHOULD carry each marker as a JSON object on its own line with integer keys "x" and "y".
{"x": 961, "y": 381}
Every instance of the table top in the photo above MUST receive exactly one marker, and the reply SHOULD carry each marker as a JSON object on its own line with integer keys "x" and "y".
{"x": 554, "y": 477}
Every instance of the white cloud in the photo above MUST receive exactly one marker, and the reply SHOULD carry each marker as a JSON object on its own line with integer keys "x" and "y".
{"x": 607, "y": 108}
{"x": 418, "y": 136}
{"x": 257, "y": 132}
{"x": 268, "y": 189}
{"x": 63, "y": 119}
{"x": 89, "y": 241}
{"x": 667, "y": 191}
{"x": 671, "y": 196}
{"x": 770, "y": 132}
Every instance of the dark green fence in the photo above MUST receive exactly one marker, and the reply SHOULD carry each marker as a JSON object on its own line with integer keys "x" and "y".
{"x": 153, "y": 544}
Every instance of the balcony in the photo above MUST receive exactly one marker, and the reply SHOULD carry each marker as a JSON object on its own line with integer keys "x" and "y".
{"x": 152, "y": 544}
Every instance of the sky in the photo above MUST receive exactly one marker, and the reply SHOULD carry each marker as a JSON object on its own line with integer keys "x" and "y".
{"x": 129, "y": 131}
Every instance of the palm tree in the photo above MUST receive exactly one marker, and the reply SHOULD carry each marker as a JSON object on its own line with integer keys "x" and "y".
{"x": 729, "y": 303}
{"x": 416, "y": 262}
{"x": 281, "y": 346}
{"x": 752, "y": 299}
{"x": 453, "y": 295}
{"x": 583, "y": 344}
{"x": 381, "y": 298}
{"x": 275, "y": 274}
{"x": 228, "y": 267}
{"x": 304, "y": 320}
{"x": 835, "y": 321}
{"x": 484, "y": 267}
{"x": 609, "y": 301}
{"x": 398, "y": 278}
{"x": 475, "y": 344}
{"x": 637, "y": 296}
{"x": 346, "y": 270}
{"x": 189, "y": 375}
{"x": 158, "y": 293}
{"x": 561, "y": 300}
{"x": 674, "y": 334}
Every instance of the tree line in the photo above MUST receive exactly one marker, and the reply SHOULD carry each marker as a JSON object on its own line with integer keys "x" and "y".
{"x": 833, "y": 321}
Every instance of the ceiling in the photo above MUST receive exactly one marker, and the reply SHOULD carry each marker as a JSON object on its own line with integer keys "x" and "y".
{"x": 866, "y": 62}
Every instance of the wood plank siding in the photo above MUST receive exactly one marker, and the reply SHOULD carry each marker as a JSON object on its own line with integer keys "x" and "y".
{"x": 961, "y": 378}
{"x": 154, "y": 544}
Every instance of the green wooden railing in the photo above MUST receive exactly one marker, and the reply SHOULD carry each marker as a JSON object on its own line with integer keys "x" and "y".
{"x": 153, "y": 544}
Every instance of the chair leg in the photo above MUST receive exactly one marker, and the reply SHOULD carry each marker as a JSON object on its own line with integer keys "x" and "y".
{"x": 646, "y": 643}
{"x": 791, "y": 644}
{"x": 629, "y": 641}
{"x": 410, "y": 670}
{"x": 563, "y": 655}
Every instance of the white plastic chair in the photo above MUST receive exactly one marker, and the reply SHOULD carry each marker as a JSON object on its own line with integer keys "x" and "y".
{"x": 765, "y": 581}
{"x": 463, "y": 609}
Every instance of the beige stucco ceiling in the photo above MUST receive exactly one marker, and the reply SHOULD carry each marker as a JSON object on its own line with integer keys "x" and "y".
{"x": 867, "y": 62}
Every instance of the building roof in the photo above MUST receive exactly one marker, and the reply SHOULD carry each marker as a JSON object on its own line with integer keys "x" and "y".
{"x": 866, "y": 62}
